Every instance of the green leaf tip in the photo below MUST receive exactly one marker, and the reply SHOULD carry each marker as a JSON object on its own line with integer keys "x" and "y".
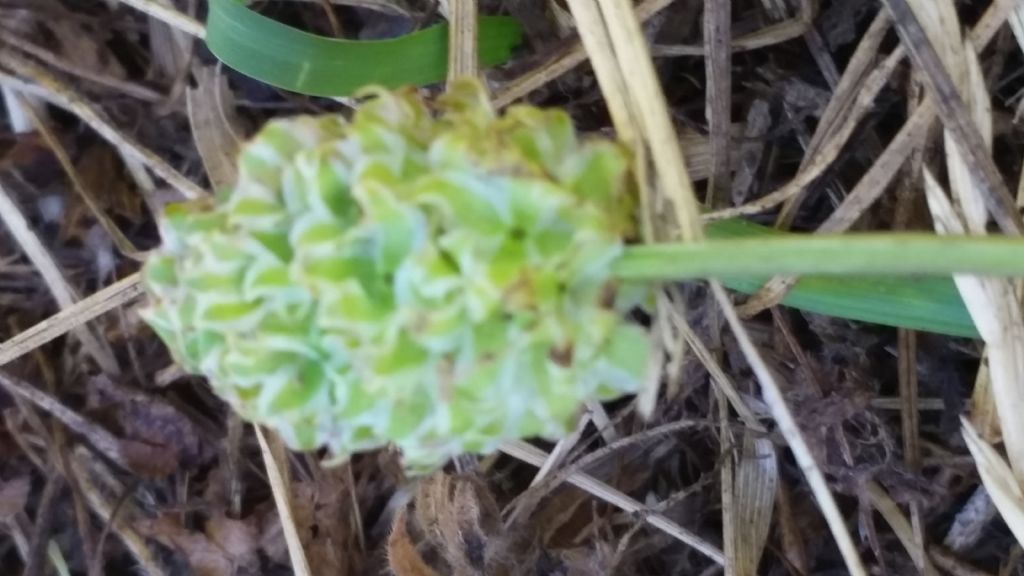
{"x": 433, "y": 276}
{"x": 291, "y": 59}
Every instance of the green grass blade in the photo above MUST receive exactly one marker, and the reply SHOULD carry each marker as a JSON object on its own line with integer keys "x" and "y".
{"x": 903, "y": 254}
{"x": 298, "y": 61}
{"x": 927, "y": 304}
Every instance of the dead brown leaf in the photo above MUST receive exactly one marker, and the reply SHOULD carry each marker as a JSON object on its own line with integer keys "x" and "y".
{"x": 322, "y": 514}
{"x": 169, "y": 47}
{"x": 101, "y": 171}
{"x": 216, "y": 128}
{"x": 239, "y": 539}
{"x": 583, "y": 561}
{"x": 203, "y": 555}
{"x": 148, "y": 460}
{"x": 567, "y": 514}
{"x": 150, "y": 421}
{"x": 28, "y": 154}
{"x": 81, "y": 49}
{"x": 451, "y": 526}
{"x": 13, "y": 496}
{"x": 562, "y": 516}
{"x": 792, "y": 537}
{"x": 403, "y": 557}
{"x": 459, "y": 513}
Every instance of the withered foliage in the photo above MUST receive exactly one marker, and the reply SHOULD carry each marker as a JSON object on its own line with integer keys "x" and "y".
{"x": 156, "y": 477}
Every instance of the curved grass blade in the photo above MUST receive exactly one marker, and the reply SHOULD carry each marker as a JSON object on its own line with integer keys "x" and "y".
{"x": 925, "y": 304}
{"x": 290, "y": 59}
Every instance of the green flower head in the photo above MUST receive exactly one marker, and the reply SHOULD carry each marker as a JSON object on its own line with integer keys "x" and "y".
{"x": 436, "y": 279}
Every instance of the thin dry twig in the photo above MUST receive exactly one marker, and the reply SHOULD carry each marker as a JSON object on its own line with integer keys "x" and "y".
{"x": 910, "y": 425}
{"x": 874, "y": 182}
{"x": 721, "y": 380}
{"x": 842, "y": 103}
{"x": 998, "y": 479}
{"x": 613, "y": 38}
{"x": 956, "y": 117}
{"x": 35, "y": 564}
{"x": 126, "y": 87}
{"x": 62, "y": 291}
{"x": 276, "y": 463}
{"x": 168, "y": 15}
{"x": 535, "y": 456}
{"x": 17, "y": 118}
{"x": 770, "y": 35}
{"x": 86, "y": 469}
{"x": 123, "y": 244}
{"x": 889, "y": 510}
{"x": 107, "y": 299}
{"x": 731, "y": 543}
{"x": 560, "y": 452}
{"x": 651, "y": 122}
{"x": 598, "y": 44}
{"x": 995, "y": 308}
{"x": 462, "y": 56}
{"x": 825, "y": 157}
{"x": 563, "y": 62}
{"x": 651, "y": 112}
{"x": 778, "y": 9}
{"x": 718, "y": 98}
{"x": 98, "y": 436}
{"x": 994, "y": 304}
{"x": 794, "y": 437}
{"x": 950, "y": 563}
{"x": 38, "y": 81}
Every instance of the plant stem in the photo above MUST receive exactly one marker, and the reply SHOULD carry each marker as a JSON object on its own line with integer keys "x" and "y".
{"x": 847, "y": 254}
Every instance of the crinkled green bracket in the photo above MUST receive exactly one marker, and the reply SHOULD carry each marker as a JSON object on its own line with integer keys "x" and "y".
{"x": 291, "y": 59}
